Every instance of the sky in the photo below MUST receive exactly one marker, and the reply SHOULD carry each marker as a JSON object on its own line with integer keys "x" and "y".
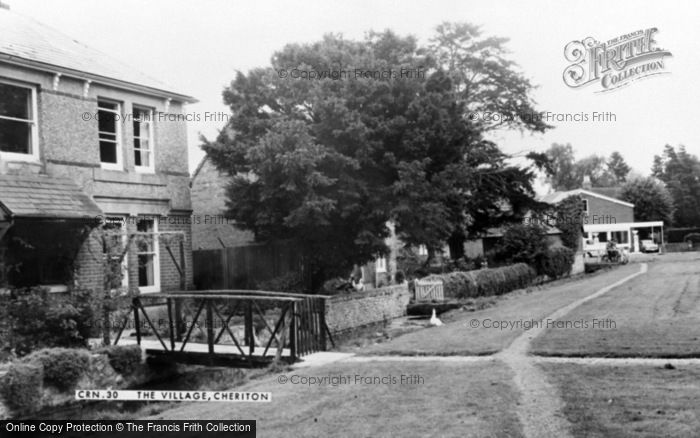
{"x": 197, "y": 46}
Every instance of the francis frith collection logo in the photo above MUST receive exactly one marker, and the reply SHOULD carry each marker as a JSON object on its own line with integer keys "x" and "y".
{"x": 614, "y": 63}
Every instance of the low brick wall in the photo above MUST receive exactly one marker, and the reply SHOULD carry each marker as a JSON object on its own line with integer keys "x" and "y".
{"x": 360, "y": 309}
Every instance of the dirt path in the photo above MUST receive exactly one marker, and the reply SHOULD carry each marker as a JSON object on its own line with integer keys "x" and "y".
{"x": 541, "y": 407}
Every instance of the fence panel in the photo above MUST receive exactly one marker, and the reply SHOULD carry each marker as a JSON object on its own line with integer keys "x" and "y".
{"x": 244, "y": 267}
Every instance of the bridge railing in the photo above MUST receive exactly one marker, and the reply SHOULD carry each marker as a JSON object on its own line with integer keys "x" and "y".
{"x": 207, "y": 324}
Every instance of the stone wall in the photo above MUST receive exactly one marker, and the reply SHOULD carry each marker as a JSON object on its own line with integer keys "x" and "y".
{"x": 350, "y": 311}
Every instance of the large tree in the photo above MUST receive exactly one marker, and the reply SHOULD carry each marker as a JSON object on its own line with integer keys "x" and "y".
{"x": 327, "y": 162}
{"x": 618, "y": 167}
{"x": 680, "y": 171}
{"x": 652, "y": 201}
{"x": 567, "y": 173}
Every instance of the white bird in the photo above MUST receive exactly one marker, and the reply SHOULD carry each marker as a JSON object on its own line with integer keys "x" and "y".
{"x": 434, "y": 320}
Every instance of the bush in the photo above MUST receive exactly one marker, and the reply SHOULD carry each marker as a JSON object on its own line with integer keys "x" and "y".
{"x": 399, "y": 277}
{"x": 522, "y": 243}
{"x": 125, "y": 359}
{"x": 485, "y": 282}
{"x": 63, "y": 367}
{"x": 692, "y": 237}
{"x": 21, "y": 386}
{"x": 557, "y": 262}
{"x": 290, "y": 282}
{"x": 39, "y": 320}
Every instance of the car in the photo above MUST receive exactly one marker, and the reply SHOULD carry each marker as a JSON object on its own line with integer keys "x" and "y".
{"x": 649, "y": 246}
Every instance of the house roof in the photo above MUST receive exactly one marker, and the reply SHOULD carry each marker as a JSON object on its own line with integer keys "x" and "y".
{"x": 27, "y": 42}
{"x": 556, "y": 197}
{"x": 40, "y": 196}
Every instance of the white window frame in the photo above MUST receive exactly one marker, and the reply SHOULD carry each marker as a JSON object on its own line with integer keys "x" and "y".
{"x": 156, "y": 259}
{"x": 380, "y": 265}
{"x": 151, "y": 168}
{"x": 34, "y": 123}
{"x": 119, "y": 165}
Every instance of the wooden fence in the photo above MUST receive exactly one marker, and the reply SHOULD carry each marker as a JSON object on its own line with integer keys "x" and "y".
{"x": 429, "y": 291}
{"x": 243, "y": 267}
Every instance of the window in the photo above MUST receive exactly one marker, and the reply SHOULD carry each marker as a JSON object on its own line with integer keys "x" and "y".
{"x": 18, "y": 125}
{"x": 143, "y": 140}
{"x": 422, "y": 250}
{"x": 380, "y": 264}
{"x": 620, "y": 237}
{"x": 584, "y": 206}
{"x": 147, "y": 255}
{"x": 108, "y": 114}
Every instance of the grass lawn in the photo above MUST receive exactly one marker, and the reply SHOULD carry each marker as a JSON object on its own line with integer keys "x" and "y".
{"x": 654, "y": 315}
{"x": 454, "y": 400}
{"x": 629, "y": 401}
{"x": 460, "y": 338}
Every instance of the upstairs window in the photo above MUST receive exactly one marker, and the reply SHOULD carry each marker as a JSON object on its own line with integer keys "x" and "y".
{"x": 143, "y": 140}
{"x": 18, "y": 125}
{"x": 584, "y": 206}
{"x": 108, "y": 114}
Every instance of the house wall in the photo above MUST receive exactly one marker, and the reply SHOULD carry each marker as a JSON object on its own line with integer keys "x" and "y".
{"x": 210, "y": 230}
{"x": 601, "y": 211}
{"x": 68, "y": 147}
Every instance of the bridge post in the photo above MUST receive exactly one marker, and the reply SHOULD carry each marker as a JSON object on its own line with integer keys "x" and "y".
{"x": 210, "y": 328}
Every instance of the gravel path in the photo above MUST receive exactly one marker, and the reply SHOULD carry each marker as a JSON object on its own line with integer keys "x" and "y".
{"x": 541, "y": 407}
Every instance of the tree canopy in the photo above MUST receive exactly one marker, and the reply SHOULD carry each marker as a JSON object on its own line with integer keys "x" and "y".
{"x": 567, "y": 173}
{"x": 328, "y": 162}
{"x": 680, "y": 171}
{"x": 652, "y": 201}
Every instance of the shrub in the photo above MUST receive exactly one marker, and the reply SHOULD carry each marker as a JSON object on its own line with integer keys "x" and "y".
{"x": 336, "y": 286}
{"x": 522, "y": 243}
{"x": 485, "y": 282}
{"x": 39, "y": 320}
{"x": 63, "y": 367}
{"x": 21, "y": 386}
{"x": 290, "y": 282}
{"x": 557, "y": 262}
{"x": 413, "y": 265}
{"x": 399, "y": 277}
{"x": 125, "y": 359}
{"x": 692, "y": 237}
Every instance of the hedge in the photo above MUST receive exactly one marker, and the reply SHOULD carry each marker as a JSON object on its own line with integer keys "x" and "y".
{"x": 485, "y": 282}
{"x": 557, "y": 262}
{"x": 38, "y": 319}
{"x": 125, "y": 359}
{"x": 63, "y": 367}
{"x": 22, "y": 386}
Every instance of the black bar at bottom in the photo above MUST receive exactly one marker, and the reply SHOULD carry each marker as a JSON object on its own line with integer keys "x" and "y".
{"x": 128, "y": 428}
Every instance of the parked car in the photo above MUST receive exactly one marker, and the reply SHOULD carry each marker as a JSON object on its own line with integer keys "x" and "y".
{"x": 649, "y": 246}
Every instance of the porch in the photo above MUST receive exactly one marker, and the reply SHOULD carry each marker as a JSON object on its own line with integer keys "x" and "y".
{"x": 628, "y": 236}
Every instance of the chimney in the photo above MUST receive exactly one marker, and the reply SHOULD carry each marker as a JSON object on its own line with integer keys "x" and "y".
{"x": 587, "y": 182}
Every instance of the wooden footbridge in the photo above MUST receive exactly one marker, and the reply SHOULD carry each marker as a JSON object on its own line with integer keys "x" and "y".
{"x": 226, "y": 327}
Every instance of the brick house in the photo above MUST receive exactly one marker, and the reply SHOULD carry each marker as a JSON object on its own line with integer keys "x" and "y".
{"x": 87, "y": 143}
{"x": 607, "y": 217}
